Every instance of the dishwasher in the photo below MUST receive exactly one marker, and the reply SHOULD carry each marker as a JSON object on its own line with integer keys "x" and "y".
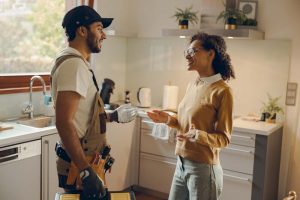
{"x": 20, "y": 171}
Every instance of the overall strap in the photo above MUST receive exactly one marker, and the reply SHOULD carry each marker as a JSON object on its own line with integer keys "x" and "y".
{"x": 61, "y": 59}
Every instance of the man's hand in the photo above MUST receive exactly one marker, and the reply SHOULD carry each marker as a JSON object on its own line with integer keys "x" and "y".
{"x": 92, "y": 185}
{"x": 123, "y": 114}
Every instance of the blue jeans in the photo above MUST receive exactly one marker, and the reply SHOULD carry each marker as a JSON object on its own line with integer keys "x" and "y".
{"x": 196, "y": 181}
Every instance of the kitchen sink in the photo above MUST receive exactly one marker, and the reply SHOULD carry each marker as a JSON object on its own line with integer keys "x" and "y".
{"x": 38, "y": 122}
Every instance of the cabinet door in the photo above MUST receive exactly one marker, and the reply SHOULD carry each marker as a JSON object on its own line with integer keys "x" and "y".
{"x": 124, "y": 141}
{"x": 238, "y": 158}
{"x": 151, "y": 145}
{"x": 236, "y": 186}
{"x": 156, "y": 172}
{"x": 49, "y": 172}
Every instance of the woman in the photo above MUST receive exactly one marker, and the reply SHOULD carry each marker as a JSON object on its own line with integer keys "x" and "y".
{"x": 204, "y": 121}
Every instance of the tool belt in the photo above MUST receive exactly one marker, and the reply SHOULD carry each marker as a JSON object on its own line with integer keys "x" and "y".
{"x": 100, "y": 163}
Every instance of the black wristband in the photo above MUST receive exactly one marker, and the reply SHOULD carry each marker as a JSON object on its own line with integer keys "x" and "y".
{"x": 114, "y": 117}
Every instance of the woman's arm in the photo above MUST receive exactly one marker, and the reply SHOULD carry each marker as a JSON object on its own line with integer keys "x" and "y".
{"x": 163, "y": 117}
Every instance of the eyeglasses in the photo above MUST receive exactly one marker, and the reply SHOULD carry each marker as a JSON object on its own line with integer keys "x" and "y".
{"x": 191, "y": 51}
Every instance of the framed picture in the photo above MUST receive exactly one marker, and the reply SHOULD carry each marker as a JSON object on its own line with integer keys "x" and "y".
{"x": 249, "y": 8}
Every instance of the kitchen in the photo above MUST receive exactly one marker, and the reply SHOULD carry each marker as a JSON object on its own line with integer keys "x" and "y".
{"x": 139, "y": 49}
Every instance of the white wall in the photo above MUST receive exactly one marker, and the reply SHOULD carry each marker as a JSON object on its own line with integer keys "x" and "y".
{"x": 280, "y": 19}
{"x": 260, "y": 68}
{"x": 111, "y": 63}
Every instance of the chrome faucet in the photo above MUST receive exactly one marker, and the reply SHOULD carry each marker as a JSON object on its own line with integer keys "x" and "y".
{"x": 29, "y": 107}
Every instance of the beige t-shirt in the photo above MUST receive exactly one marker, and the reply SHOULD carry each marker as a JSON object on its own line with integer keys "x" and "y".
{"x": 74, "y": 75}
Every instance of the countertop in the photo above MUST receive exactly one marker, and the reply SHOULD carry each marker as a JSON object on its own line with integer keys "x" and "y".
{"x": 21, "y": 133}
{"x": 239, "y": 124}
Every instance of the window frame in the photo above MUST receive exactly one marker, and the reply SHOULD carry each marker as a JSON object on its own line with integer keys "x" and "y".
{"x": 19, "y": 83}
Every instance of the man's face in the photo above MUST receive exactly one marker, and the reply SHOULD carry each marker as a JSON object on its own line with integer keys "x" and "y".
{"x": 95, "y": 37}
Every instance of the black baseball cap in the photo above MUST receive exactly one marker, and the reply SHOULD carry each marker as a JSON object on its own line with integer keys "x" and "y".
{"x": 81, "y": 16}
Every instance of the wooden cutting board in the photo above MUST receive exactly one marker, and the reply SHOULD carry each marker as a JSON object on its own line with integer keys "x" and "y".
{"x": 4, "y": 127}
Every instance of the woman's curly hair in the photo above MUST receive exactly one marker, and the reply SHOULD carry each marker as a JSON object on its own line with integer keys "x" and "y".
{"x": 222, "y": 62}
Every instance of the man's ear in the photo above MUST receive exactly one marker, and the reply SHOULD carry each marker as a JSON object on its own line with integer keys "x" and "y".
{"x": 81, "y": 31}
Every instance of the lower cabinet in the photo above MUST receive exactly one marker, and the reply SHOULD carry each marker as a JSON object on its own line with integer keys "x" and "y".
{"x": 236, "y": 186}
{"x": 250, "y": 163}
{"x": 49, "y": 172}
{"x": 156, "y": 172}
{"x": 123, "y": 139}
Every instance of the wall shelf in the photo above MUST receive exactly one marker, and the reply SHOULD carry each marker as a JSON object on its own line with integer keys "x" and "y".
{"x": 242, "y": 33}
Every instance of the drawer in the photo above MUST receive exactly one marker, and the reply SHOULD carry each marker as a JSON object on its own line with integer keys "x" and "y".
{"x": 147, "y": 123}
{"x": 243, "y": 138}
{"x": 238, "y": 158}
{"x": 236, "y": 186}
{"x": 149, "y": 144}
{"x": 156, "y": 173}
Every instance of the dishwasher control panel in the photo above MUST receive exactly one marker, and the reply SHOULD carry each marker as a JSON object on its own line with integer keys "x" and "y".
{"x": 20, "y": 151}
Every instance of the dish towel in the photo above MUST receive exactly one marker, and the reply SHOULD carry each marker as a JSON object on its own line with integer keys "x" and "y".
{"x": 163, "y": 132}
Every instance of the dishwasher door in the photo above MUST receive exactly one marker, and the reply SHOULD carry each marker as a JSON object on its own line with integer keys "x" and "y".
{"x": 20, "y": 171}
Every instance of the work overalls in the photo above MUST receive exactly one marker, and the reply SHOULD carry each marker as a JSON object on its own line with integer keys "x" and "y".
{"x": 93, "y": 141}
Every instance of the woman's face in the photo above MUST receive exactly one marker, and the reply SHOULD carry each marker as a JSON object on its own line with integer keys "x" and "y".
{"x": 199, "y": 59}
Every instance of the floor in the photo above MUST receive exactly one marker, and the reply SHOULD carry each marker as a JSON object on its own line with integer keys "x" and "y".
{"x": 141, "y": 196}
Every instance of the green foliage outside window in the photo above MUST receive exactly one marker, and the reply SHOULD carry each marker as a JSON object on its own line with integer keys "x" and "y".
{"x": 31, "y": 36}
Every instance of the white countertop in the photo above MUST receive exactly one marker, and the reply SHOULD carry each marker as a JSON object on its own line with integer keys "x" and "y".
{"x": 239, "y": 124}
{"x": 21, "y": 133}
{"x": 256, "y": 127}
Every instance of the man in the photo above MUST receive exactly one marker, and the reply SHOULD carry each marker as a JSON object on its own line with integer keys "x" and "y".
{"x": 80, "y": 116}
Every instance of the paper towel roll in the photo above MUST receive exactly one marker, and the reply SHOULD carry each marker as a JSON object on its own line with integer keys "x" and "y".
{"x": 170, "y": 97}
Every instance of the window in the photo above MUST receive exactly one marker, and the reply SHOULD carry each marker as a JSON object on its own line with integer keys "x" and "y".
{"x": 30, "y": 37}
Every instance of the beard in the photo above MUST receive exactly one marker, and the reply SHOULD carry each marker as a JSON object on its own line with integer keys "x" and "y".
{"x": 92, "y": 43}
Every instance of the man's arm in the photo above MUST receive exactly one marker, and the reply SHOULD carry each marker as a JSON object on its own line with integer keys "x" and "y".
{"x": 65, "y": 109}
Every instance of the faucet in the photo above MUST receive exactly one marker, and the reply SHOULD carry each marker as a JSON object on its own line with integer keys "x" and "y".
{"x": 29, "y": 107}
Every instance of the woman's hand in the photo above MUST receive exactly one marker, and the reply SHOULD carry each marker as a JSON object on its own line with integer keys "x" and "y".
{"x": 158, "y": 116}
{"x": 190, "y": 135}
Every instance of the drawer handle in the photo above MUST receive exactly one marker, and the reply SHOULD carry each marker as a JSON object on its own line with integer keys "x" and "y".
{"x": 243, "y": 137}
{"x": 240, "y": 151}
{"x": 238, "y": 178}
{"x": 147, "y": 122}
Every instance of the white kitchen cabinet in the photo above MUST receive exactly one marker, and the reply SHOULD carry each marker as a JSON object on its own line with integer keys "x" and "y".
{"x": 156, "y": 172}
{"x": 157, "y": 161}
{"x": 49, "y": 172}
{"x": 124, "y": 141}
{"x": 251, "y": 162}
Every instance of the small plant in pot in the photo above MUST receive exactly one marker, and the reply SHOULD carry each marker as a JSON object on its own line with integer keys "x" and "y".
{"x": 270, "y": 109}
{"x": 185, "y": 16}
{"x": 232, "y": 18}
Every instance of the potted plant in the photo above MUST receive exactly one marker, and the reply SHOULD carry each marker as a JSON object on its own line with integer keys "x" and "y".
{"x": 232, "y": 18}
{"x": 185, "y": 16}
{"x": 270, "y": 109}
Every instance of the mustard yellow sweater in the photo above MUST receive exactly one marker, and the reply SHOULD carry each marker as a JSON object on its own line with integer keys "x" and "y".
{"x": 208, "y": 106}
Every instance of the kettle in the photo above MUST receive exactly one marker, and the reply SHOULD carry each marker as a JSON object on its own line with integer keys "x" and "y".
{"x": 144, "y": 97}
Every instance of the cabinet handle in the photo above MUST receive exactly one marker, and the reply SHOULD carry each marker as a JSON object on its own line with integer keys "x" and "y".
{"x": 238, "y": 178}
{"x": 147, "y": 122}
{"x": 45, "y": 192}
{"x": 243, "y": 137}
{"x": 240, "y": 150}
